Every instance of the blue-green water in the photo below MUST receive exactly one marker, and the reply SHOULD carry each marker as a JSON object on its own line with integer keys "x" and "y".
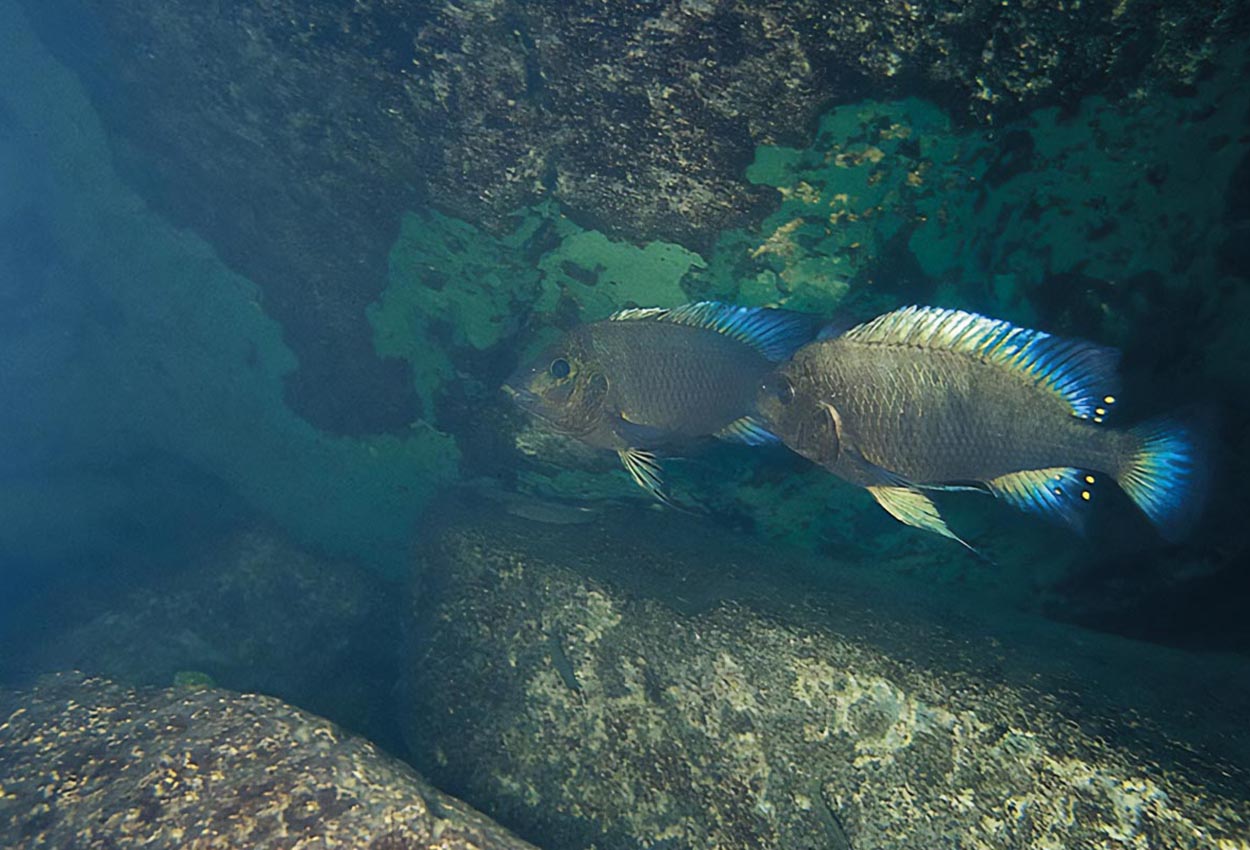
{"x": 263, "y": 268}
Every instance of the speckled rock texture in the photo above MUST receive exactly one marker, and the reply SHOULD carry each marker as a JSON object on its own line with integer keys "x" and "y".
{"x": 85, "y": 763}
{"x": 646, "y": 682}
{"x": 253, "y": 612}
{"x": 293, "y": 135}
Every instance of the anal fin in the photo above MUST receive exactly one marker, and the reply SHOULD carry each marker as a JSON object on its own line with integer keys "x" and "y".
{"x": 911, "y": 507}
{"x": 644, "y": 468}
{"x": 1059, "y": 492}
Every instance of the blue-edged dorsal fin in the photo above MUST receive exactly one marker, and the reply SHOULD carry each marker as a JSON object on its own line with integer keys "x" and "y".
{"x": 1060, "y": 492}
{"x": 644, "y": 468}
{"x": 911, "y": 507}
{"x": 634, "y": 314}
{"x": 1079, "y": 372}
{"x": 774, "y": 333}
{"x": 749, "y": 431}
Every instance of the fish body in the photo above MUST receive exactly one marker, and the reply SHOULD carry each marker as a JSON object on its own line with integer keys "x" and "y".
{"x": 925, "y": 398}
{"x": 650, "y": 379}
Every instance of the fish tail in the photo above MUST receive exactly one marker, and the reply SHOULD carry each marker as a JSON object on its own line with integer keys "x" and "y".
{"x": 1167, "y": 470}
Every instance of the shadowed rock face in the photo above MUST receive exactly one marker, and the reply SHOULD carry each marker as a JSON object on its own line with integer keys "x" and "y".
{"x": 588, "y": 686}
{"x": 294, "y": 134}
{"x": 255, "y": 613}
{"x": 87, "y": 763}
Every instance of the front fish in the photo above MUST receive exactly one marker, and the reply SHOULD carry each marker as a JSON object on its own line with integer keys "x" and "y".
{"x": 646, "y": 379}
{"x": 926, "y": 398}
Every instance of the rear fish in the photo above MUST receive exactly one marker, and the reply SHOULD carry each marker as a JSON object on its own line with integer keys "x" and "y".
{"x": 926, "y": 398}
{"x": 649, "y": 379}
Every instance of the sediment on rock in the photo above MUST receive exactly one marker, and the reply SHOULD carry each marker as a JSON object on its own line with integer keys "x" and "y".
{"x": 90, "y": 764}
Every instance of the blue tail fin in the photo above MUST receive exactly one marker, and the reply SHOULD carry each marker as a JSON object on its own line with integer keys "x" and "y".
{"x": 1168, "y": 472}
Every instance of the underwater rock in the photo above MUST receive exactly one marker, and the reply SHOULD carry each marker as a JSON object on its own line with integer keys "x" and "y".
{"x": 293, "y": 135}
{"x": 87, "y": 763}
{"x": 253, "y": 613}
{"x": 645, "y": 681}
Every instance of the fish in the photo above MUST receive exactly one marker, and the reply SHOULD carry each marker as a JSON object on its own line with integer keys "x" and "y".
{"x": 649, "y": 379}
{"x": 926, "y": 398}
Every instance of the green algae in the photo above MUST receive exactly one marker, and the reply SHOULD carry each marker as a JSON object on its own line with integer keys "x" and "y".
{"x": 1108, "y": 191}
{"x": 602, "y": 275}
{"x": 446, "y": 274}
{"x": 842, "y": 201}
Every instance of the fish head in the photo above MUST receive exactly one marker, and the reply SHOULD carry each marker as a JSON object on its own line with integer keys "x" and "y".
{"x": 799, "y": 417}
{"x": 564, "y": 386}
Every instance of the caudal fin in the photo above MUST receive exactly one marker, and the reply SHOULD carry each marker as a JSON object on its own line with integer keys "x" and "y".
{"x": 1168, "y": 471}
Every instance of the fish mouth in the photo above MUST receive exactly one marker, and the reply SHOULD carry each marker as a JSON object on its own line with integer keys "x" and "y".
{"x": 533, "y": 405}
{"x": 522, "y": 398}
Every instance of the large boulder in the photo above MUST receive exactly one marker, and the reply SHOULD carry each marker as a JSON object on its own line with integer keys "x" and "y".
{"x": 89, "y": 764}
{"x": 643, "y": 680}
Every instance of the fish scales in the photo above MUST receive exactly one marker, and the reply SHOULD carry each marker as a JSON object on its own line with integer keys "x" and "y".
{"x": 934, "y": 416}
{"x": 677, "y": 378}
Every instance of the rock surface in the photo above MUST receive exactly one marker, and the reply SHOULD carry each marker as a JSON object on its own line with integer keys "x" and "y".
{"x": 89, "y": 764}
{"x": 595, "y": 687}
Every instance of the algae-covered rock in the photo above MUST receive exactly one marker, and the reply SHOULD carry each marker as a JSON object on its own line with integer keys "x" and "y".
{"x": 451, "y": 287}
{"x": 456, "y": 291}
{"x": 646, "y": 682}
{"x": 601, "y": 275}
{"x": 89, "y": 764}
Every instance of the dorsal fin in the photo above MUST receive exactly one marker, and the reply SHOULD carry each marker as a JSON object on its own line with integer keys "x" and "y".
{"x": 776, "y": 334}
{"x": 1079, "y": 372}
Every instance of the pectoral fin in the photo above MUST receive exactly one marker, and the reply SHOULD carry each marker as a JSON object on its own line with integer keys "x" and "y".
{"x": 748, "y": 430}
{"x": 911, "y": 507}
{"x": 644, "y": 468}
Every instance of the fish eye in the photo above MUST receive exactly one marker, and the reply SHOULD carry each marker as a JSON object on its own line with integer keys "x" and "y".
{"x": 559, "y": 368}
{"x": 785, "y": 391}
